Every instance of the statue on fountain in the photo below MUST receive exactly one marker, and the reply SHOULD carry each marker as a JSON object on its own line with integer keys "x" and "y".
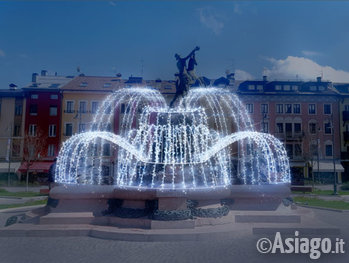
{"x": 186, "y": 75}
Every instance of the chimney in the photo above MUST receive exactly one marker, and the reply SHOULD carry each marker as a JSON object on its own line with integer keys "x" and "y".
{"x": 265, "y": 78}
{"x": 12, "y": 86}
{"x": 318, "y": 79}
{"x": 43, "y": 73}
{"x": 34, "y": 76}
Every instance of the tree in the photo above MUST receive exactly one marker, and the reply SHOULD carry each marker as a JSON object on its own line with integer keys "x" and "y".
{"x": 33, "y": 151}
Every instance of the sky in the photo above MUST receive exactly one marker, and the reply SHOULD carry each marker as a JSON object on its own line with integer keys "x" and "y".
{"x": 280, "y": 39}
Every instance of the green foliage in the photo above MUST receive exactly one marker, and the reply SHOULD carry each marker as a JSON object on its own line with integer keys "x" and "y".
{"x": 321, "y": 203}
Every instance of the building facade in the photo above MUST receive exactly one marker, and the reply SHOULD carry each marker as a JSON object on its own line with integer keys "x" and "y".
{"x": 12, "y": 105}
{"x": 303, "y": 115}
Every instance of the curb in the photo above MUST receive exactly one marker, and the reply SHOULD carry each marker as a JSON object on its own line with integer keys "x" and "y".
{"x": 323, "y": 208}
{"x": 21, "y": 208}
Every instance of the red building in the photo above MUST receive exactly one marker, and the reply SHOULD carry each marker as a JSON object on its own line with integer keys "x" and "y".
{"x": 42, "y": 129}
{"x": 305, "y": 116}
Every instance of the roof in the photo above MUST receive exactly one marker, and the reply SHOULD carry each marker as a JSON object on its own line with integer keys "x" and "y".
{"x": 11, "y": 93}
{"x": 49, "y": 82}
{"x": 286, "y": 87}
{"x": 91, "y": 83}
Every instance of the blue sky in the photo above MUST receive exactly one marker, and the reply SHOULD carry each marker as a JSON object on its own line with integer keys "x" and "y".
{"x": 284, "y": 40}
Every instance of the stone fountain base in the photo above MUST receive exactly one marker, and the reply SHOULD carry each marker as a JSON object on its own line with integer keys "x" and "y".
{"x": 83, "y": 211}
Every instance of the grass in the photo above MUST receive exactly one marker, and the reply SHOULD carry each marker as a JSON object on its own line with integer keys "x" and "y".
{"x": 31, "y": 203}
{"x": 321, "y": 203}
{"x": 322, "y": 192}
{"x": 5, "y": 193}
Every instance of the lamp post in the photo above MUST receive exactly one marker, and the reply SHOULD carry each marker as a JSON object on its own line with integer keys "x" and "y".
{"x": 333, "y": 160}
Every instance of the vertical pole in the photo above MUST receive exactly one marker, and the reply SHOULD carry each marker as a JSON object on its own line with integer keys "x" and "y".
{"x": 9, "y": 149}
{"x": 333, "y": 159}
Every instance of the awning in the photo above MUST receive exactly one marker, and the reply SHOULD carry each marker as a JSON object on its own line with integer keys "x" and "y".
{"x": 13, "y": 167}
{"x": 38, "y": 167}
{"x": 327, "y": 166}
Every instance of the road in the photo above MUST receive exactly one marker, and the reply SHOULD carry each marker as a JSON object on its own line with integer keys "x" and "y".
{"x": 87, "y": 249}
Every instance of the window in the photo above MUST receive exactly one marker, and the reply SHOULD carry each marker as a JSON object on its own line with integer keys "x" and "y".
{"x": 313, "y": 88}
{"x": 329, "y": 151}
{"x": 296, "y": 108}
{"x": 107, "y": 109}
{"x": 34, "y": 96}
{"x": 313, "y": 149}
{"x": 327, "y": 109}
{"x": 346, "y": 107}
{"x": 32, "y": 130}
{"x": 264, "y": 108}
{"x": 82, "y": 108}
{"x": 297, "y": 127}
{"x": 94, "y": 107}
{"x": 54, "y": 97}
{"x": 311, "y": 109}
{"x": 249, "y": 149}
{"x": 17, "y": 130}
{"x": 53, "y": 110}
{"x": 82, "y": 127}
{"x": 249, "y": 108}
{"x": 297, "y": 150}
{"x": 107, "y": 85}
{"x": 279, "y": 108}
{"x": 70, "y": 106}
{"x": 52, "y": 129}
{"x": 51, "y": 150}
{"x": 277, "y": 87}
{"x": 83, "y": 84}
{"x": 265, "y": 127}
{"x": 289, "y": 149}
{"x": 33, "y": 109}
{"x": 312, "y": 128}
{"x": 16, "y": 150}
{"x": 295, "y": 87}
{"x": 288, "y": 108}
{"x": 251, "y": 87}
{"x": 328, "y": 128}
{"x": 288, "y": 128}
{"x": 279, "y": 127}
{"x": 106, "y": 149}
{"x": 287, "y": 87}
{"x": 321, "y": 88}
{"x": 68, "y": 129}
{"x": 18, "y": 109}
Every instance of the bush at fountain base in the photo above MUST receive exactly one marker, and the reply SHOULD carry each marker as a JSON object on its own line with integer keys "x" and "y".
{"x": 151, "y": 211}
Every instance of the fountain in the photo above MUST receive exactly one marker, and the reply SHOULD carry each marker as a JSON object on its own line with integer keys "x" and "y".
{"x": 168, "y": 163}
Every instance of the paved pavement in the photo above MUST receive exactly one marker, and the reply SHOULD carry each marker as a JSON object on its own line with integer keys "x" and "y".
{"x": 240, "y": 248}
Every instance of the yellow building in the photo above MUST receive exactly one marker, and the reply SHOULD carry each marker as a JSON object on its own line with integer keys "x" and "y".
{"x": 12, "y": 103}
{"x": 343, "y": 90}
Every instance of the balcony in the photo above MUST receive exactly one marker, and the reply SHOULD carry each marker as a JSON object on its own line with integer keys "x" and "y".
{"x": 345, "y": 115}
{"x": 346, "y": 136}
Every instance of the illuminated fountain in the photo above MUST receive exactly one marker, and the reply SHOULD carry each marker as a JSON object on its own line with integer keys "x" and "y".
{"x": 203, "y": 149}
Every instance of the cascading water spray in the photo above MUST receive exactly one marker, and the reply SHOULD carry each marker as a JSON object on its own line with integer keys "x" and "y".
{"x": 207, "y": 141}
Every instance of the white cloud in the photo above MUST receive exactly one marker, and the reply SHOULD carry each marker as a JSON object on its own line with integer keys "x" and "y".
{"x": 303, "y": 68}
{"x": 2, "y": 53}
{"x": 242, "y": 75}
{"x": 308, "y": 53}
{"x": 211, "y": 19}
